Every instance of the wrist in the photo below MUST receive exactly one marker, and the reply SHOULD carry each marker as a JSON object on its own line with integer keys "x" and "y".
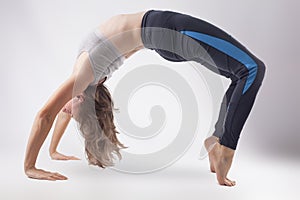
{"x": 28, "y": 167}
{"x": 52, "y": 151}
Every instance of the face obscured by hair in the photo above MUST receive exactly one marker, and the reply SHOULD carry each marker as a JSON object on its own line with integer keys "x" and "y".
{"x": 72, "y": 107}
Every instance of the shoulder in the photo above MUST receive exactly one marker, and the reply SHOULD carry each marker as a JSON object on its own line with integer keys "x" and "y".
{"x": 75, "y": 84}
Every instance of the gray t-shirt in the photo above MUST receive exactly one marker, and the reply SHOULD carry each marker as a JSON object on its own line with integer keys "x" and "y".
{"x": 103, "y": 55}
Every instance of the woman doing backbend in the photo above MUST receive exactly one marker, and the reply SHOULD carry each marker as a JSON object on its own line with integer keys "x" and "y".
{"x": 174, "y": 36}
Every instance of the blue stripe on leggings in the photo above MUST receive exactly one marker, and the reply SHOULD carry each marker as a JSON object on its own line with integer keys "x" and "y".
{"x": 231, "y": 50}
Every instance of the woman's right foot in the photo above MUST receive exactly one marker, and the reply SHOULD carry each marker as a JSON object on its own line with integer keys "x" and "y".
{"x": 220, "y": 158}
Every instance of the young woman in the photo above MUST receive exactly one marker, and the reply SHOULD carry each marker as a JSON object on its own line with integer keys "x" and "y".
{"x": 174, "y": 36}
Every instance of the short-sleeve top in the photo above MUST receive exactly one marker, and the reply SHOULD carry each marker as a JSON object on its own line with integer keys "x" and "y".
{"x": 103, "y": 55}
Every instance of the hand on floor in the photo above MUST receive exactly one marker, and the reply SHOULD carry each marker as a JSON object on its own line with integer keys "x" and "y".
{"x": 59, "y": 156}
{"x": 44, "y": 175}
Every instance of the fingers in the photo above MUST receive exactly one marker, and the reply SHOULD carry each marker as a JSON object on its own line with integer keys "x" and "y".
{"x": 55, "y": 176}
{"x": 59, "y": 156}
{"x": 58, "y": 176}
{"x": 68, "y": 158}
{"x": 52, "y": 177}
{"x": 45, "y": 175}
{"x": 73, "y": 158}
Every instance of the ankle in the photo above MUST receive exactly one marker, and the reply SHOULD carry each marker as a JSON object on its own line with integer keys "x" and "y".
{"x": 227, "y": 152}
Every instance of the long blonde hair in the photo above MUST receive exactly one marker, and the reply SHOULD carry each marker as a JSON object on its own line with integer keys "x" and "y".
{"x": 97, "y": 127}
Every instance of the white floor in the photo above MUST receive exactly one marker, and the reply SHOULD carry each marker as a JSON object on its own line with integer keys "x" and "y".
{"x": 189, "y": 178}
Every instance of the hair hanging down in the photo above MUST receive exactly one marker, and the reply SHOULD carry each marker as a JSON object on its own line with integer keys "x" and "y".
{"x": 96, "y": 125}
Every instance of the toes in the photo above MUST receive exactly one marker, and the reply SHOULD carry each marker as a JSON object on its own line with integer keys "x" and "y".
{"x": 233, "y": 182}
{"x": 226, "y": 182}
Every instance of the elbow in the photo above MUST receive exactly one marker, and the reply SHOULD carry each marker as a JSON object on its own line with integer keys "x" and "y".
{"x": 45, "y": 115}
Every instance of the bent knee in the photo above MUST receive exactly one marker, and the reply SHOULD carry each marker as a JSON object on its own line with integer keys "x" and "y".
{"x": 261, "y": 70}
{"x": 262, "y": 67}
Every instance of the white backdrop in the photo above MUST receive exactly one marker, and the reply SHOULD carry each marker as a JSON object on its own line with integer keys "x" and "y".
{"x": 39, "y": 41}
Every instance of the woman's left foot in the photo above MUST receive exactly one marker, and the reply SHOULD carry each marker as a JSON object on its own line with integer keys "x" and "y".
{"x": 209, "y": 145}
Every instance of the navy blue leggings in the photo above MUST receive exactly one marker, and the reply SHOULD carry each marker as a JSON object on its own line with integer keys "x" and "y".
{"x": 180, "y": 37}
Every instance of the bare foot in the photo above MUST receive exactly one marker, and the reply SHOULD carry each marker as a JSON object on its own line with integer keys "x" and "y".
{"x": 220, "y": 158}
{"x": 223, "y": 163}
{"x": 209, "y": 145}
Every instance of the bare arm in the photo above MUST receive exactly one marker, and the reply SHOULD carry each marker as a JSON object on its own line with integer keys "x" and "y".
{"x": 40, "y": 129}
{"x": 61, "y": 124}
{"x": 45, "y": 117}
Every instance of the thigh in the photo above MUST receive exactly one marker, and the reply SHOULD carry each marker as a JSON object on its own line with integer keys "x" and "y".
{"x": 181, "y": 37}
